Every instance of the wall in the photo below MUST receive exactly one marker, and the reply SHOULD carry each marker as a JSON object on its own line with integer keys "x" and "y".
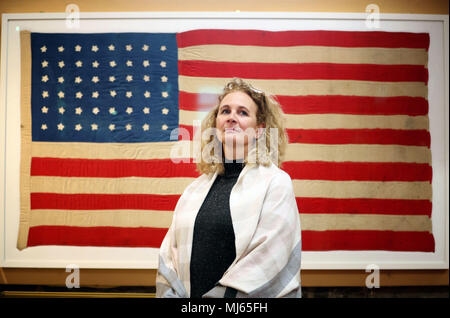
{"x": 113, "y": 277}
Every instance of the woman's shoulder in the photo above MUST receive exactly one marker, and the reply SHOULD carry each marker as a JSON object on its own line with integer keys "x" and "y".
{"x": 199, "y": 181}
{"x": 269, "y": 176}
{"x": 276, "y": 173}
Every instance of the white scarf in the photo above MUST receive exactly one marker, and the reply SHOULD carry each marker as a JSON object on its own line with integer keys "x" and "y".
{"x": 267, "y": 231}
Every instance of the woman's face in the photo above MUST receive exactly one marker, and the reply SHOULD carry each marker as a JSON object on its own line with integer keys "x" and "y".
{"x": 236, "y": 121}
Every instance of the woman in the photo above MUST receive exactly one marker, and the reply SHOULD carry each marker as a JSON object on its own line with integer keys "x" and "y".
{"x": 236, "y": 228}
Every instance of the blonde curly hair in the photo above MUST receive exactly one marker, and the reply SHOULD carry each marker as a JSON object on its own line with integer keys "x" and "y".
{"x": 269, "y": 113}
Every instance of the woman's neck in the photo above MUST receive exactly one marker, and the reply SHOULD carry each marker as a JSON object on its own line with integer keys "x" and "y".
{"x": 233, "y": 153}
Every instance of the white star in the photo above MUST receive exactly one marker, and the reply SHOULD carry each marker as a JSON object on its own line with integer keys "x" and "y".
{"x": 61, "y": 48}
{"x": 61, "y": 110}
{"x": 112, "y": 127}
{"x": 164, "y": 79}
{"x": 129, "y": 94}
{"x": 164, "y": 127}
{"x": 95, "y": 94}
{"x": 112, "y": 78}
{"x": 60, "y": 126}
{"x": 61, "y": 94}
{"x": 95, "y": 110}
{"x": 147, "y": 94}
{"x": 129, "y": 110}
{"x": 145, "y": 127}
{"x": 146, "y": 63}
{"x": 78, "y": 110}
{"x": 112, "y": 111}
{"x": 129, "y": 63}
{"x": 165, "y": 94}
{"x": 145, "y": 47}
{"x": 94, "y": 127}
{"x": 128, "y": 47}
{"x": 44, "y": 78}
{"x": 146, "y": 78}
{"x": 163, "y": 48}
{"x": 165, "y": 111}
{"x": 112, "y": 64}
{"x": 61, "y": 64}
{"x": 77, "y": 48}
{"x": 146, "y": 110}
{"x": 79, "y": 63}
{"x": 78, "y": 80}
{"x": 95, "y": 79}
{"x": 61, "y": 79}
{"x": 78, "y": 127}
{"x": 113, "y": 93}
{"x": 95, "y": 64}
{"x": 44, "y": 63}
{"x": 94, "y": 48}
{"x": 163, "y": 64}
{"x": 44, "y": 110}
{"x": 128, "y": 127}
{"x": 44, "y": 94}
{"x": 111, "y": 47}
{"x": 44, "y": 49}
{"x": 44, "y": 127}
{"x": 129, "y": 78}
{"x": 79, "y": 95}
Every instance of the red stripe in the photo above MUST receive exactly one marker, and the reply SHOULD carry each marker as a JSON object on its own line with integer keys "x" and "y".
{"x": 305, "y": 71}
{"x": 292, "y": 38}
{"x": 364, "y": 206}
{"x": 197, "y": 102}
{"x": 333, "y": 104}
{"x": 152, "y": 237}
{"x": 356, "y": 105}
{"x": 96, "y": 236}
{"x": 168, "y": 203}
{"x": 346, "y": 136}
{"x": 360, "y": 136}
{"x": 312, "y": 170}
{"x": 358, "y": 171}
{"x": 367, "y": 240}
{"x": 103, "y": 201}
{"x": 99, "y": 168}
{"x": 186, "y": 129}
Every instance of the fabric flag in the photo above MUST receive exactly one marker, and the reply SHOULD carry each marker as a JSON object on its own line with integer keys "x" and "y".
{"x": 97, "y": 146}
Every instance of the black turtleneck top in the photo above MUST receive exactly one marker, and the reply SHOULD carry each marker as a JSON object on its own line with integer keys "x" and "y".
{"x": 213, "y": 245}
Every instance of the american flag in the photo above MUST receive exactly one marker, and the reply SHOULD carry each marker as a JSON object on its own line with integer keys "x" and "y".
{"x": 97, "y": 167}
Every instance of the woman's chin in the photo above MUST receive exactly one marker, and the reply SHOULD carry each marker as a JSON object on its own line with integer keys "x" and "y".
{"x": 232, "y": 138}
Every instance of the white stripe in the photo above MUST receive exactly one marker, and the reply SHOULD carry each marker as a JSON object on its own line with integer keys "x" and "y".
{"x": 185, "y": 149}
{"x": 130, "y": 185}
{"x": 362, "y": 189}
{"x": 309, "y": 87}
{"x": 333, "y": 121}
{"x": 378, "y": 222}
{"x": 115, "y": 218}
{"x": 357, "y": 153}
{"x": 303, "y": 54}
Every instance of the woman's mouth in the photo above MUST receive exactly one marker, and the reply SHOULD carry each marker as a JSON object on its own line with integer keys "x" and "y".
{"x": 232, "y": 130}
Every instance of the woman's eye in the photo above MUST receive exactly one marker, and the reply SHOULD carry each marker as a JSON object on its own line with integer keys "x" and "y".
{"x": 224, "y": 111}
{"x": 243, "y": 112}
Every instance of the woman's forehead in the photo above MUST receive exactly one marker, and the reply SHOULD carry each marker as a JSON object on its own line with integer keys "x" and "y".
{"x": 239, "y": 98}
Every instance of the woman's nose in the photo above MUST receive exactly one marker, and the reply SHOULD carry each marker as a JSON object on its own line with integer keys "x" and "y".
{"x": 231, "y": 117}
